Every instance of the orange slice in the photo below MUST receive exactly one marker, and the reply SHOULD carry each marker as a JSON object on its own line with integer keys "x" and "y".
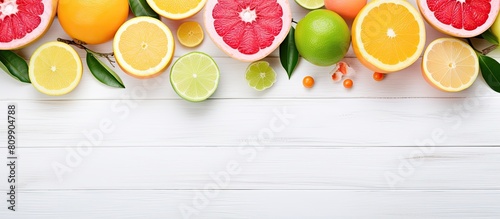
{"x": 175, "y": 9}
{"x": 190, "y": 34}
{"x": 143, "y": 47}
{"x": 450, "y": 65}
{"x": 388, "y": 35}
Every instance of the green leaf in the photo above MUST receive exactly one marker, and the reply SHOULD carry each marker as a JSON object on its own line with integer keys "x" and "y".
{"x": 289, "y": 55}
{"x": 102, "y": 72}
{"x": 141, "y": 8}
{"x": 490, "y": 69}
{"x": 14, "y": 65}
{"x": 490, "y": 37}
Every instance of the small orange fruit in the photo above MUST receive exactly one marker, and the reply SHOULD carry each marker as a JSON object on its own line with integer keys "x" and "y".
{"x": 308, "y": 82}
{"x": 377, "y": 76}
{"x": 92, "y": 21}
{"x": 348, "y": 83}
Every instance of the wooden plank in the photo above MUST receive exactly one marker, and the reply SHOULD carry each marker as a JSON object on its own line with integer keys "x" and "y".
{"x": 286, "y": 123}
{"x": 305, "y": 168}
{"x": 256, "y": 204}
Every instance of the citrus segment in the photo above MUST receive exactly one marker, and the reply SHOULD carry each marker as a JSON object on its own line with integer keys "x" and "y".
{"x": 460, "y": 18}
{"x": 175, "y": 9}
{"x": 450, "y": 65}
{"x": 55, "y": 68}
{"x": 143, "y": 47}
{"x": 260, "y": 75}
{"x": 248, "y": 30}
{"x": 194, "y": 76}
{"x": 23, "y": 22}
{"x": 190, "y": 34}
{"x": 388, "y": 35}
{"x": 311, "y": 4}
{"x": 92, "y": 21}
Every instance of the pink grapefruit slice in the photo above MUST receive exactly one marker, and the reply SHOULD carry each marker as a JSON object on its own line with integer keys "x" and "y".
{"x": 247, "y": 30}
{"x": 24, "y": 21}
{"x": 460, "y": 18}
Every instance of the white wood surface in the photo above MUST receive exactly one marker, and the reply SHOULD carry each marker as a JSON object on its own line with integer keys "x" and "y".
{"x": 391, "y": 149}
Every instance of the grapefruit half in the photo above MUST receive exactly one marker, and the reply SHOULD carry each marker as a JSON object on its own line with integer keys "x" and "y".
{"x": 247, "y": 30}
{"x": 460, "y": 18}
{"x": 24, "y": 21}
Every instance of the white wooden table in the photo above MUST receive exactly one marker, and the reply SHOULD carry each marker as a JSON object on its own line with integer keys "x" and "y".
{"x": 391, "y": 149}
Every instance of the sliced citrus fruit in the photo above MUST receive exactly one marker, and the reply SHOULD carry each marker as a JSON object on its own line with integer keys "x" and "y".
{"x": 248, "y": 30}
{"x": 450, "y": 65}
{"x": 55, "y": 69}
{"x": 190, "y": 34}
{"x": 460, "y": 18}
{"x": 388, "y": 35}
{"x": 194, "y": 76}
{"x": 23, "y": 22}
{"x": 175, "y": 9}
{"x": 311, "y": 4}
{"x": 260, "y": 75}
{"x": 143, "y": 47}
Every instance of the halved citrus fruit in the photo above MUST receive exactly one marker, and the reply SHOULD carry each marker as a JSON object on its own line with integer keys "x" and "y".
{"x": 311, "y": 4}
{"x": 388, "y": 35}
{"x": 55, "y": 68}
{"x": 450, "y": 65}
{"x": 460, "y": 18}
{"x": 260, "y": 75}
{"x": 23, "y": 22}
{"x": 248, "y": 30}
{"x": 175, "y": 9}
{"x": 143, "y": 47}
{"x": 194, "y": 76}
{"x": 190, "y": 34}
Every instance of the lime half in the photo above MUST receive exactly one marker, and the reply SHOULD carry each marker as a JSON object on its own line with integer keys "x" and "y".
{"x": 260, "y": 75}
{"x": 194, "y": 76}
{"x": 311, "y": 4}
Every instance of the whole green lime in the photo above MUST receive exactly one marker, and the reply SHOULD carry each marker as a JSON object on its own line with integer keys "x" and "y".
{"x": 322, "y": 37}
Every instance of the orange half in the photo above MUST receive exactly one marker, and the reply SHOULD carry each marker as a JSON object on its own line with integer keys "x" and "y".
{"x": 388, "y": 35}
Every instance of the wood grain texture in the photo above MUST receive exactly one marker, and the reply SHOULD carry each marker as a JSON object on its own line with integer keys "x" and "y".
{"x": 232, "y": 122}
{"x": 259, "y": 204}
{"x": 182, "y": 168}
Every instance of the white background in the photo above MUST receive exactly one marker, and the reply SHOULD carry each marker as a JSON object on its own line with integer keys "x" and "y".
{"x": 340, "y": 154}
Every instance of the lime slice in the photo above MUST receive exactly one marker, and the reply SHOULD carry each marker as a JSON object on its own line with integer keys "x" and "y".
{"x": 311, "y": 4}
{"x": 260, "y": 75}
{"x": 194, "y": 76}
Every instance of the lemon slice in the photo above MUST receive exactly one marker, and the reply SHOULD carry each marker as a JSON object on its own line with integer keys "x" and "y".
{"x": 55, "y": 69}
{"x": 190, "y": 34}
{"x": 450, "y": 65}
{"x": 260, "y": 75}
{"x": 194, "y": 76}
{"x": 175, "y": 9}
{"x": 143, "y": 47}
